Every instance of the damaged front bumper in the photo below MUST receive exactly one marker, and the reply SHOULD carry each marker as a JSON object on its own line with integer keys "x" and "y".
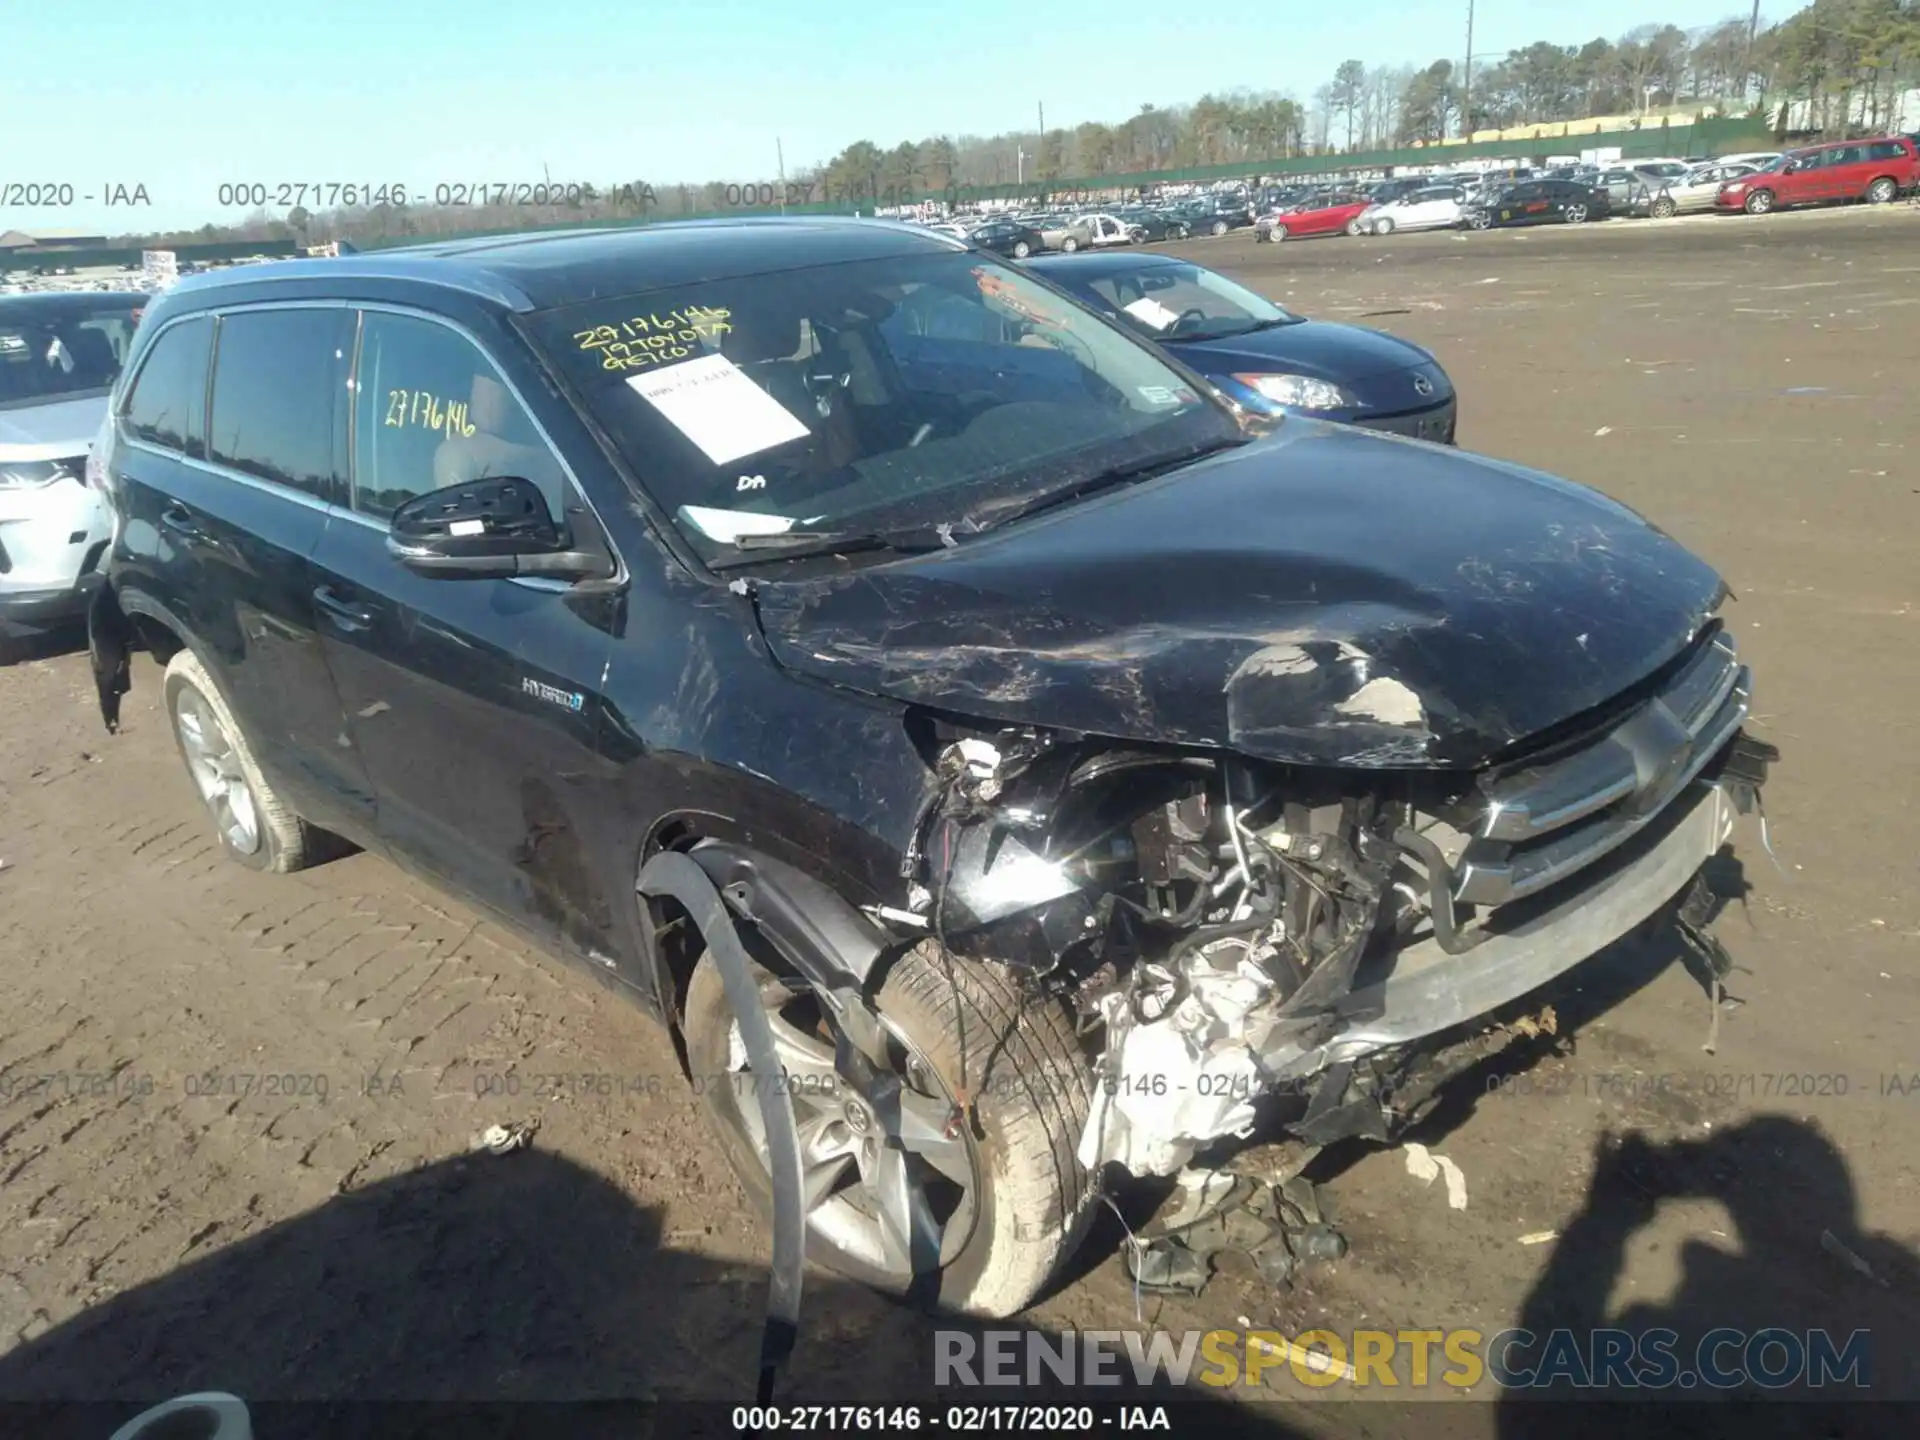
{"x": 1149, "y": 1122}
{"x": 1233, "y": 935}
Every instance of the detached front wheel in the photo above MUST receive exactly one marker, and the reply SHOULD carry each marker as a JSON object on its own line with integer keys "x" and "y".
{"x": 901, "y": 1192}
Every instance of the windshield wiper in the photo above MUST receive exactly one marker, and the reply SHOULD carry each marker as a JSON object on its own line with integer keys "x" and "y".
{"x": 1204, "y": 336}
{"x": 992, "y": 517}
{"x": 793, "y": 544}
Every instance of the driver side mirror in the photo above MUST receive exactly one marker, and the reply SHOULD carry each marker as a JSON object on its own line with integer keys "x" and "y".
{"x": 1787, "y": 167}
{"x": 494, "y": 527}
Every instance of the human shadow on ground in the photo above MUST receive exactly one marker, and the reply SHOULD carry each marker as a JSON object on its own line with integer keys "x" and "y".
{"x": 1792, "y": 1258}
{"x": 523, "y": 1282}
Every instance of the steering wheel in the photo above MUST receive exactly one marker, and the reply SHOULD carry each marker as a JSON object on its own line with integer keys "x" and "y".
{"x": 1195, "y": 316}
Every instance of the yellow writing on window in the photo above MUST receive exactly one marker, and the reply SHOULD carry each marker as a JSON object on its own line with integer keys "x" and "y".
{"x": 655, "y": 331}
{"x": 424, "y": 410}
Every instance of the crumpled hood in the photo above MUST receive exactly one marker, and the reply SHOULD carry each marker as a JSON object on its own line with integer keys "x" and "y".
{"x": 1326, "y": 596}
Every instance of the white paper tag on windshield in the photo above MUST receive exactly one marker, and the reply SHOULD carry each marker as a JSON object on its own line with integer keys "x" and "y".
{"x": 714, "y": 404}
{"x": 1149, "y": 311}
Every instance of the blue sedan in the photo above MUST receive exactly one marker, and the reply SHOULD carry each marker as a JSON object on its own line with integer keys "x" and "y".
{"x": 1264, "y": 357}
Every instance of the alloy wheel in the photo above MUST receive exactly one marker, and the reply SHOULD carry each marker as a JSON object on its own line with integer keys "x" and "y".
{"x": 214, "y": 763}
{"x": 888, "y": 1173}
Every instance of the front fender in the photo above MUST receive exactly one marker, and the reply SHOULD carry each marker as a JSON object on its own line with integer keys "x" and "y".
{"x": 818, "y": 932}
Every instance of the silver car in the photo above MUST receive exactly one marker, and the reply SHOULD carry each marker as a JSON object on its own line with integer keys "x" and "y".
{"x": 60, "y": 352}
{"x": 1697, "y": 190}
{"x": 1066, "y": 233}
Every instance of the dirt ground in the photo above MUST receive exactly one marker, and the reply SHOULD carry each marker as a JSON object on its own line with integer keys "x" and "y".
{"x": 182, "y": 1208}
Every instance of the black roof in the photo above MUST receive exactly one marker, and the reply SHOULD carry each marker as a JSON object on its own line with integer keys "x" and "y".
{"x": 57, "y": 304}
{"x": 546, "y": 269}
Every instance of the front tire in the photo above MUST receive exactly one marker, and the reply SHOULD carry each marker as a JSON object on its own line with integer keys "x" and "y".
{"x": 1574, "y": 214}
{"x": 1002, "y": 1205}
{"x": 1069, "y": 245}
{"x": 1663, "y": 208}
{"x": 1760, "y": 202}
{"x": 1383, "y": 226}
{"x": 256, "y": 827}
{"x": 1479, "y": 220}
{"x": 1277, "y": 234}
{"x": 1021, "y": 250}
{"x": 1220, "y": 227}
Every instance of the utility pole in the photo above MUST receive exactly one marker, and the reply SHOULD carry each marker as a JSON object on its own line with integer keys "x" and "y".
{"x": 780, "y": 160}
{"x": 1040, "y": 145}
{"x": 1466, "y": 81}
{"x": 1753, "y": 31}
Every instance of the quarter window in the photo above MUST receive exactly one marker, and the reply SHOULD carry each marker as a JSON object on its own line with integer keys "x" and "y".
{"x": 277, "y": 378}
{"x": 1885, "y": 150}
{"x": 168, "y": 405}
{"x": 432, "y": 411}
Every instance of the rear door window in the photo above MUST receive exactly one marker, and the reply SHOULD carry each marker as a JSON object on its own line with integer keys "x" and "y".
{"x": 432, "y": 411}
{"x": 168, "y": 404}
{"x": 279, "y": 383}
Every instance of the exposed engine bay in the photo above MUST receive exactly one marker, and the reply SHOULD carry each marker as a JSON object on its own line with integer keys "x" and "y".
{"x": 1221, "y": 926}
{"x": 1192, "y": 907}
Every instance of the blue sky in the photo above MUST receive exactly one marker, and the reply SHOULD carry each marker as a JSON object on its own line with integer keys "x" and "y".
{"x": 420, "y": 92}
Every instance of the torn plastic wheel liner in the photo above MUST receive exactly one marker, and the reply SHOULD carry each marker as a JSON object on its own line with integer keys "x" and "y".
{"x": 679, "y": 877}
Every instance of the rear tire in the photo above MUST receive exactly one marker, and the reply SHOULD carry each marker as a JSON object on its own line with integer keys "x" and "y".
{"x": 255, "y": 826}
{"x": 1031, "y": 1201}
{"x": 1069, "y": 245}
{"x": 1220, "y": 227}
{"x": 1021, "y": 250}
{"x": 1882, "y": 191}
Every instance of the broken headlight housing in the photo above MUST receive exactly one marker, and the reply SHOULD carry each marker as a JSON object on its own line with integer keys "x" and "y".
{"x": 1191, "y": 908}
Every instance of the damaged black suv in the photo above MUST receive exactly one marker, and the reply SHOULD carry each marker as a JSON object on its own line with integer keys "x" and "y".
{"x": 1004, "y": 763}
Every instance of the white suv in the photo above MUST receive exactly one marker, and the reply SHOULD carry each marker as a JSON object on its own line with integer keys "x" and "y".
{"x": 60, "y": 352}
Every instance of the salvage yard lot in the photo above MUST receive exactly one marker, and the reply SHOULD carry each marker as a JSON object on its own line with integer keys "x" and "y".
{"x": 192, "y": 1055}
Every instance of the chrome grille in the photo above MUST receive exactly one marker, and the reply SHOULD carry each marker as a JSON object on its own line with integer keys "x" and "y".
{"x": 1540, "y": 823}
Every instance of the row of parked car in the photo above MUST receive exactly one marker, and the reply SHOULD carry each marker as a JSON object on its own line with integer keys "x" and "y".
{"x": 1874, "y": 170}
{"x": 1070, "y": 231}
